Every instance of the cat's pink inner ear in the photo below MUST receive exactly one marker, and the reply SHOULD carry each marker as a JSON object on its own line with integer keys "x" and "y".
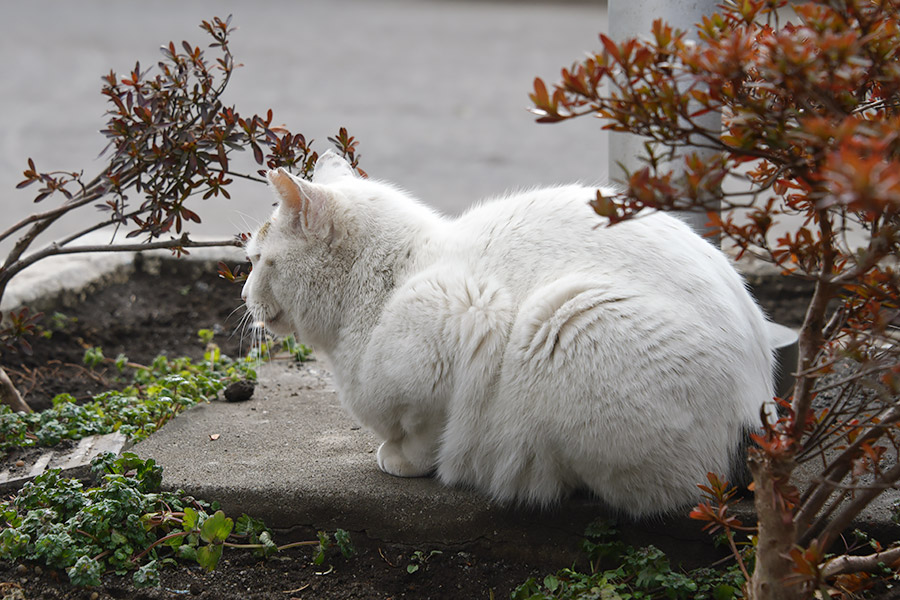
{"x": 287, "y": 189}
{"x": 303, "y": 203}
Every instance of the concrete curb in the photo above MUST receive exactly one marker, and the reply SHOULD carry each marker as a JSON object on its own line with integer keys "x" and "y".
{"x": 294, "y": 458}
{"x": 65, "y": 280}
{"x": 74, "y": 462}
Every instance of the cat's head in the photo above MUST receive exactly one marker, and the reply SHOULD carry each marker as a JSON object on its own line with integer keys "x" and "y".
{"x": 326, "y": 251}
{"x": 301, "y": 254}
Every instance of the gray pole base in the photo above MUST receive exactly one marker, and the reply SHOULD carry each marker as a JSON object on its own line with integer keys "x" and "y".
{"x": 783, "y": 341}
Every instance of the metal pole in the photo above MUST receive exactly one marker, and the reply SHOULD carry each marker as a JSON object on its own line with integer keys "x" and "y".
{"x": 634, "y": 18}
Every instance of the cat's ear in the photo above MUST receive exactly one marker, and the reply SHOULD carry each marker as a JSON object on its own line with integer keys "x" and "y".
{"x": 331, "y": 167}
{"x": 308, "y": 207}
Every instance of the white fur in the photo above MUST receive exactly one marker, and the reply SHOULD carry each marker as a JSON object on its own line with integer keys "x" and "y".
{"x": 524, "y": 348}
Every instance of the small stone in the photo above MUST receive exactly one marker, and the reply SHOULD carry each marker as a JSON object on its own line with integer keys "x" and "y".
{"x": 94, "y": 595}
{"x": 38, "y": 570}
{"x": 196, "y": 588}
{"x": 21, "y": 570}
{"x": 20, "y": 463}
{"x": 239, "y": 391}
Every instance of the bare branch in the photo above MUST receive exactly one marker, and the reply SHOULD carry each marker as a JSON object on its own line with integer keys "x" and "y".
{"x": 10, "y": 396}
{"x": 55, "y": 249}
{"x": 871, "y": 563}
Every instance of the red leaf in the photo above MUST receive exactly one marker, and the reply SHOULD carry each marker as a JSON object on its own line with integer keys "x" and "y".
{"x": 611, "y": 48}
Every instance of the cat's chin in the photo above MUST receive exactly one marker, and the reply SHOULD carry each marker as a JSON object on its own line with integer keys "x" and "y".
{"x": 276, "y": 325}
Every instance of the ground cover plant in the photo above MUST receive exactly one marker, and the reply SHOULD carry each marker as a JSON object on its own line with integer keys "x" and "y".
{"x": 126, "y": 524}
{"x": 809, "y": 131}
{"x": 618, "y": 571}
{"x": 158, "y": 393}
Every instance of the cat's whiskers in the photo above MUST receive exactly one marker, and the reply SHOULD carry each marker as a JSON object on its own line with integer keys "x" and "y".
{"x": 242, "y": 327}
{"x": 256, "y": 340}
{"x": 246, "y": 219}
{"x": 241, "y": 322}
{"x": 264, "y": 340}
{"x": 259, "y": 337}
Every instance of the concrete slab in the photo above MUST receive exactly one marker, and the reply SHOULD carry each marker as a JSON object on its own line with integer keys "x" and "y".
{"x": 73, "y": 462}
{"x": 293, "y": 457}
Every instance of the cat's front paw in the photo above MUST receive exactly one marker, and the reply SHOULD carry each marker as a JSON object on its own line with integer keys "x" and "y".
{"x": 392, "y": 461}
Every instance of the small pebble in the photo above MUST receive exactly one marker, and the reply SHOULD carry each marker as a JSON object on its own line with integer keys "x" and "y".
{"x": 196, "y": 588}
{"x": 94, "y": 595}
{"x": 38, "y": 570}
{"x": 21, "y": 570}
{"x": 20, "y": 463}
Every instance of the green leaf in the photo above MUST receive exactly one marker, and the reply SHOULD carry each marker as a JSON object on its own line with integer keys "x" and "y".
{"x": 191, "y": 519}
{"x": 208, "y": 556}
{"x": 324, "y": 545}
{"x": 247, "y": 525}
{"x": 85, "y": 572}
{"x": 147, "y": 575}
{"x": 93, "y": 357}
{"x": 724, "y": 591}
{"x": 13, "y": 543}
{"x": 268, "y": 546}
{"x": 343, "y": 541}
{"x": 216, "y": 528}
{"x": 551, "y": 583}
{"x": 187, "y": 552}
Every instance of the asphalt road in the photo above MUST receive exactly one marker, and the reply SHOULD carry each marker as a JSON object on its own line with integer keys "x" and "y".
{"x": 435, "y": 90}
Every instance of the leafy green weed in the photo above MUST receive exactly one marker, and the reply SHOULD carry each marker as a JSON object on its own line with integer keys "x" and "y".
{"x": 639, "y": 574}
{"x": 127, "y": 524}
{"x": 158, "y": 393}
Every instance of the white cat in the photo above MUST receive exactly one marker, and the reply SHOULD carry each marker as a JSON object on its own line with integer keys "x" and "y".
{"x": 524, "y": 349}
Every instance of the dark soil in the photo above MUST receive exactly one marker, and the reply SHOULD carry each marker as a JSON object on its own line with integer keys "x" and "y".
{"x": 153, "y": 314}
{"x": 376, "y": 572}
{"x": 148, "y": 315}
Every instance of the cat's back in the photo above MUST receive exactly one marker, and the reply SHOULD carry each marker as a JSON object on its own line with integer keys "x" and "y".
{"x": 530, "y": 239}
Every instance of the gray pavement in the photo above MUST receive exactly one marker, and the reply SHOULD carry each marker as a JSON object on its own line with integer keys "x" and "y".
{"x": 293, "y": 457}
